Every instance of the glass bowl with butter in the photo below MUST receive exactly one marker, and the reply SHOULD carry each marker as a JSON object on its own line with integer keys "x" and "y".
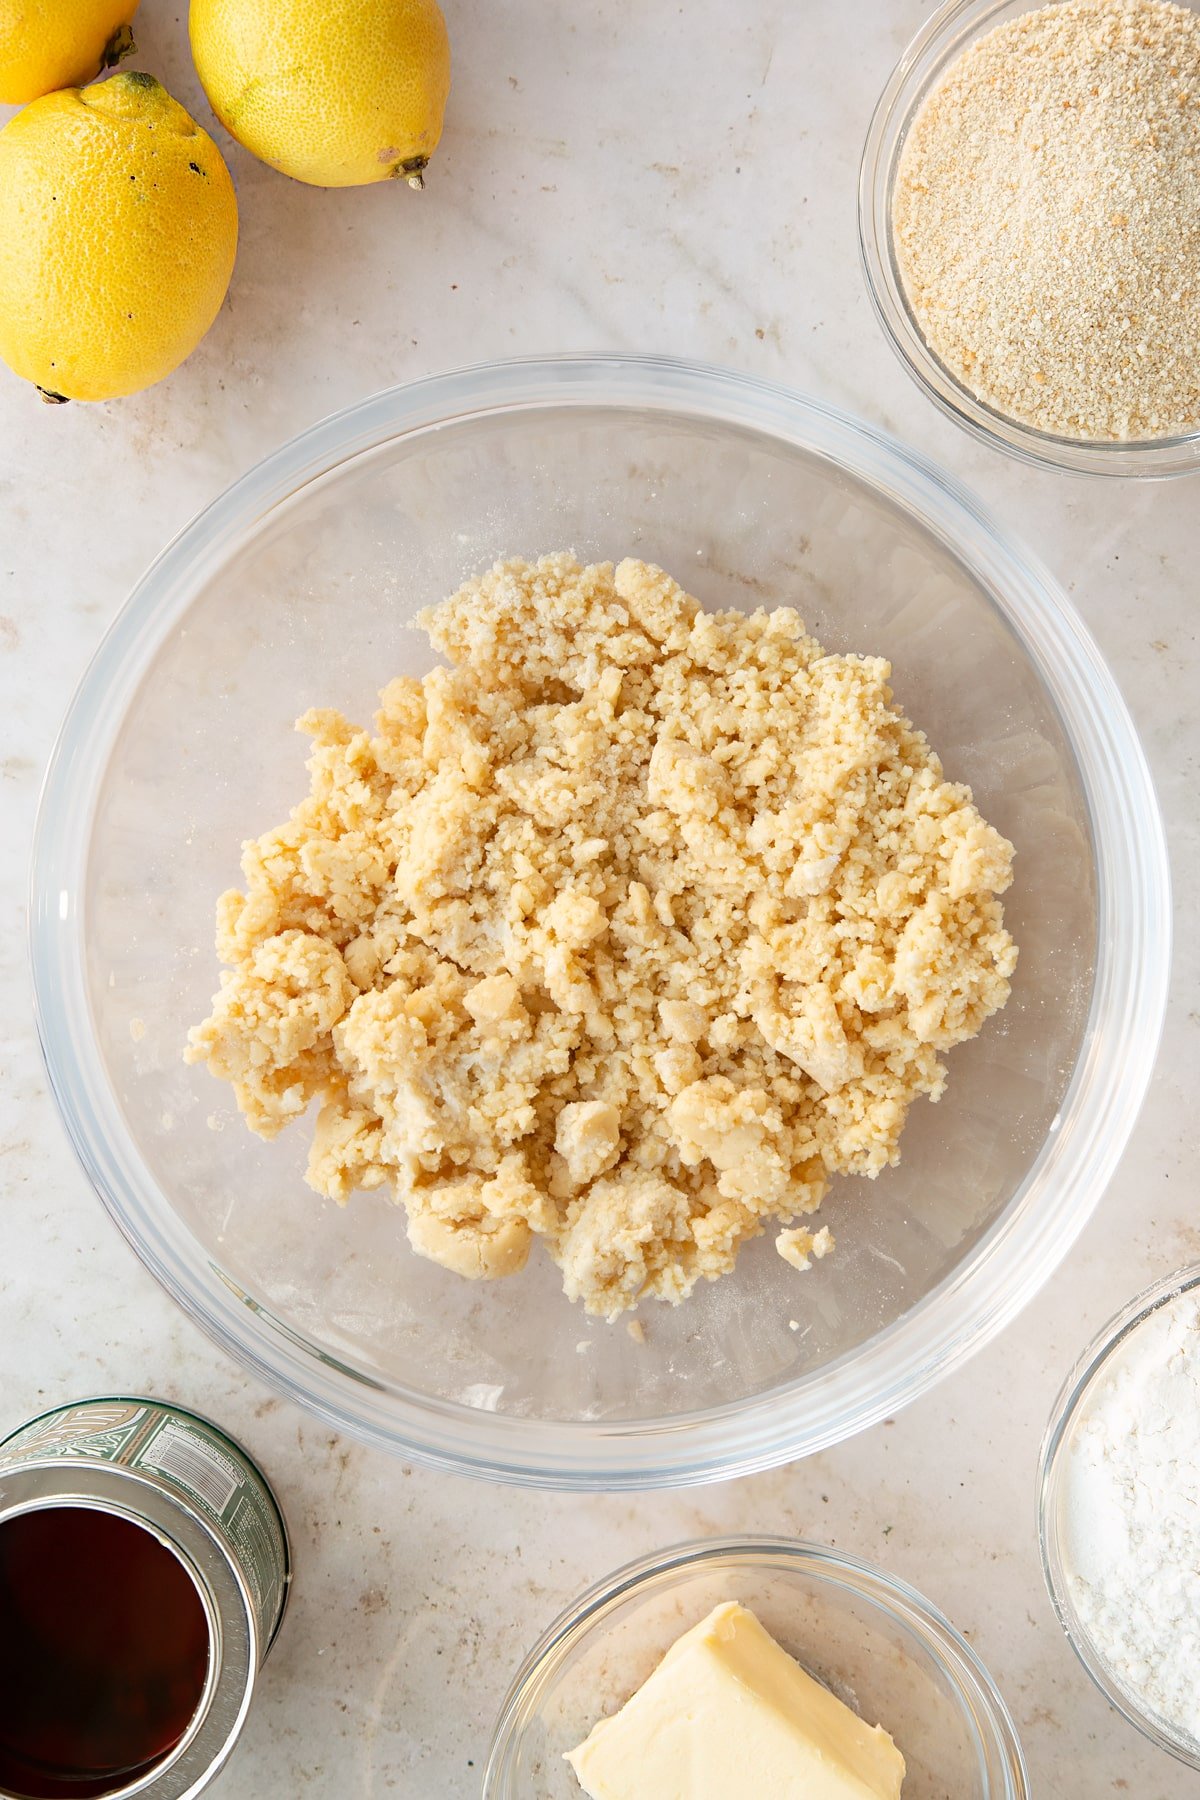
{"x": 293, "y": 592}
{"x": 879, "y": 1655}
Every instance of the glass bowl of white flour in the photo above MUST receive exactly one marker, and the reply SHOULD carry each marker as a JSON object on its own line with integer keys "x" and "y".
{"x": 1119, "y": 1512}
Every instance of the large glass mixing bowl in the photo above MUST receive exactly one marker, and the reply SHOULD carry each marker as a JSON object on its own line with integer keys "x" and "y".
{"x": 291, "y": 591}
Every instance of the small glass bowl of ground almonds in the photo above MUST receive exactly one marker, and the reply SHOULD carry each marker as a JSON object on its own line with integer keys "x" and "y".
{"x": 1029, "y": 218}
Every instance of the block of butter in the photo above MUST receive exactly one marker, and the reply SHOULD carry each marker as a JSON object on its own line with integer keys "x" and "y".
{"x": 727, "y": 1714}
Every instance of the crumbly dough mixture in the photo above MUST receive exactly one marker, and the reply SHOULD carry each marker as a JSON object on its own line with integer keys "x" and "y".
{"x": 1047, "y": 219}
{"x": 627, "y": 930}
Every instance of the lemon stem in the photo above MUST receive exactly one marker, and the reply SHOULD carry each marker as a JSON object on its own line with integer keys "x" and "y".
{"x": 413, "y": 171}
{"x": 53, "y": 399}
{"x": 119, "y": 44}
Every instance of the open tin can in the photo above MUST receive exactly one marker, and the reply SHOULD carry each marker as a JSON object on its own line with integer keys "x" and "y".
{"x": 144, "y": 1572}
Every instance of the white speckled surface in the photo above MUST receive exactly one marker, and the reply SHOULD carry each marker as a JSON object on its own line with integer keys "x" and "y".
{"x": 632, "y": 176}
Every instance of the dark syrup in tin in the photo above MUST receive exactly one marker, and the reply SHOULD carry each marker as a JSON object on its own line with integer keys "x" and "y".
{"x": 104, "y": 1648}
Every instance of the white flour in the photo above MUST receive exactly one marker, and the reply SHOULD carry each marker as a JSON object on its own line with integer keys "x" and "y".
{"x": 1132, "y": 1515}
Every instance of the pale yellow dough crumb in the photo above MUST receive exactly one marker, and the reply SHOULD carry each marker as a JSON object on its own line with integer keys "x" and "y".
{"x": 800, "y": 1247}
{"x": 626, "y": 931}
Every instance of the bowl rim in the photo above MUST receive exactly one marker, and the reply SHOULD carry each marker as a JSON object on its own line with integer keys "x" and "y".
{"x": 976, "y": 1298}
{"x": 941, "y": 39}
{"x": 1052, "y": 1475}
{"x": 974, "y": 1687}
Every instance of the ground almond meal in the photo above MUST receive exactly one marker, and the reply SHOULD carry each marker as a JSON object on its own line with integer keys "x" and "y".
{"x": 627, "y": 931}
{"x": 1046, "y": 219}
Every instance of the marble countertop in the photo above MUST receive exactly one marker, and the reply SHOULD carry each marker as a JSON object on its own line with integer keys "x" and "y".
{"x": 632, "y": 176}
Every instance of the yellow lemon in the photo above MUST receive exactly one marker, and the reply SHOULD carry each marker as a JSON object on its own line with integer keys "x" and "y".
{"x": 48, "y": 44}
{"x": 118, "y": 230}
{"x": 333, "y": 92}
